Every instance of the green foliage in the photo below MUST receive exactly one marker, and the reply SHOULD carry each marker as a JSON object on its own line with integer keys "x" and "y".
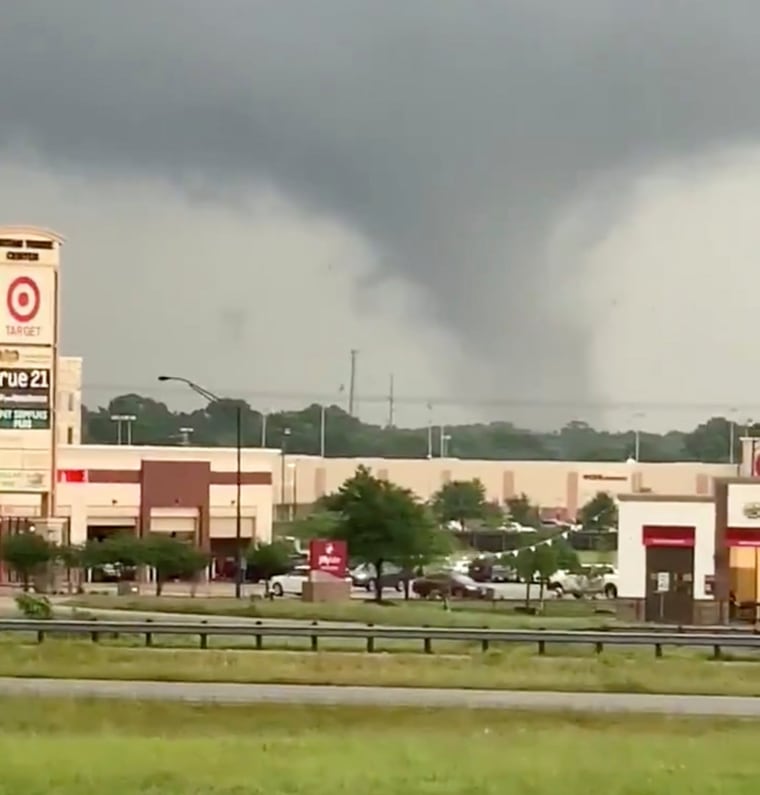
{"x": 26, "y": 554}
{"x": 34, "y": 606}
{"x": 71, "y": 556}
{"x": 600, "y": 513}
{"x": 522, "y": 511}
{"x": 268, "y": 560}
{"x": 123, "y": 550}
{"x": 171, "y": 558}
{"x": 567, "y": 557}
{"x": 383, "y": 523}
{"x": 349, "y": 437}
{"x": 319, "y": 524}
{"x": 460, "y": 501}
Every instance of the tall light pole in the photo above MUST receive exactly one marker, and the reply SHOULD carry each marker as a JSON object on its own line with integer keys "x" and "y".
{"x": 212, "y": 398}
{"x": 430, "y": 430}
{"x": 638, "y": 416}
{"x": 283, "y": 453}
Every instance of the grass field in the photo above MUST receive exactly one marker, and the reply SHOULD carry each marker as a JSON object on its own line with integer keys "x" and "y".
{"x": 513, "y": 669}
{"x": 90, "y": 748}
{"x": 566, "y": 613}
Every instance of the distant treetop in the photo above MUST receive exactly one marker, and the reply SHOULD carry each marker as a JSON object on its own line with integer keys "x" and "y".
{"x": 349, "y": 437}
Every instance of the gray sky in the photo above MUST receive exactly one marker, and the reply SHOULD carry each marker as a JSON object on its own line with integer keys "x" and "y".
{"x": 500, "y": 200}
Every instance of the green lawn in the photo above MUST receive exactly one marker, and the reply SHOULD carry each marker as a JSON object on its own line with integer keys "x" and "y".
{"x": 512, "y": 669}
{"x": 91, "y": 748}
{"x": 565, "y": 613}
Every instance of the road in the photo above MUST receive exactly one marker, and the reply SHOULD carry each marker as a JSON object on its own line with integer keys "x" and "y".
{"x": 384, "y": 696}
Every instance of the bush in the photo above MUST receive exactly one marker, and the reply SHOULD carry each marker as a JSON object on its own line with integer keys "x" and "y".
{"x": 34, "y": 606}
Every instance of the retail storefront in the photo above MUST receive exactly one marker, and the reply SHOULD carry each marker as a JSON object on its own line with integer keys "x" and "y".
{"x": 685, "y": 559}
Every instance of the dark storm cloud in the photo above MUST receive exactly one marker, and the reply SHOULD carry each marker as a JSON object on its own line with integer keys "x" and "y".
{"x": 450, "y": 133}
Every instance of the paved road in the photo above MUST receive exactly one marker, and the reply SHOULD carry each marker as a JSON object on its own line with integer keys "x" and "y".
{"x": 385, "y": 696}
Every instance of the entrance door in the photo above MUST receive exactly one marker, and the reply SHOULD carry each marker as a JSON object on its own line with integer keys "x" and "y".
{"x": 670, "y": 585}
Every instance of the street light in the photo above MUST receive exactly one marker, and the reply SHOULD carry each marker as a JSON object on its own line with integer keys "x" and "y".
{"x": 212, "y": 398}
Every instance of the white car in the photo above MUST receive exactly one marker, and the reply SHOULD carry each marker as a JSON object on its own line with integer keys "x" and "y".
{"x": 292, "y": 582}
{"x": 590, "y": 581}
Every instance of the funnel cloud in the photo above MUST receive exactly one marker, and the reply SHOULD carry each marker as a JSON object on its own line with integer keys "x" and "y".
{"x": 445, "y": 145}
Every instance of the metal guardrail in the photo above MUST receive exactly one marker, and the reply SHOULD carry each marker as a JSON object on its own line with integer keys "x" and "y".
{"x": 370, "y": 634}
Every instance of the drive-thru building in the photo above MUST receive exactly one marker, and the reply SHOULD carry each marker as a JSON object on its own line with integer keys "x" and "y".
{"x": 687, "y": 559}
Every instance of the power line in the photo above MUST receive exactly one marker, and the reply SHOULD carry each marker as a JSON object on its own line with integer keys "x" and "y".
{"x": 729, "y": 407}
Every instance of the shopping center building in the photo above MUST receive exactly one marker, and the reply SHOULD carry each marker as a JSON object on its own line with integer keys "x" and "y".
{"x": 693, "y": 559}
{"x": 689, "y": 532}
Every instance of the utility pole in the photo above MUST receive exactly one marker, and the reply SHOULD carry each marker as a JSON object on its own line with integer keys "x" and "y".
{"x": 391, "y": 403}
{"x": 352, "y": 383}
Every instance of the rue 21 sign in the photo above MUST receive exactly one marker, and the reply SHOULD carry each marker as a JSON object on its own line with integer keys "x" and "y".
{"x": 25, "y": 398}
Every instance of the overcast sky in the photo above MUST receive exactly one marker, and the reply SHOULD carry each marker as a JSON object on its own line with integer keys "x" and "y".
{"x": 494, "y": 200}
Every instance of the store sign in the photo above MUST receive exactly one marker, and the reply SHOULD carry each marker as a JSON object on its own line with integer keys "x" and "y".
{"x": 328, "y": 557}
{"x": 25, "y": 385}
{"x": 751, "y": 510}
{"x": 20, "y": 480}
{"x": 27, "y": 304}
{"x": 25, "y": 419}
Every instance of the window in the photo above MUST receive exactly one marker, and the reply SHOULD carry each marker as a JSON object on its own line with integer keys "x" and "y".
{"x": 47, "y": 244}
{"x": 69, "y": 435}
{"x": 71, "y": 401}
{"x": 7, "y": 242}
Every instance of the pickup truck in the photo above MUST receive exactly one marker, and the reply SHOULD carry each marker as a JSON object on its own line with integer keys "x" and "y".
{"x": 589, "y": 581}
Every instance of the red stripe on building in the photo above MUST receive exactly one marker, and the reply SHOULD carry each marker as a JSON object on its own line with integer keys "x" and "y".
{"x": 667, "y": 536}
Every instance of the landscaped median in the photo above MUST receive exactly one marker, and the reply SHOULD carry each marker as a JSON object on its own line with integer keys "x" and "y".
{"x": 91, "y": 747}
{"x": 511, "y": 669}
{"x": 564, "y": 614}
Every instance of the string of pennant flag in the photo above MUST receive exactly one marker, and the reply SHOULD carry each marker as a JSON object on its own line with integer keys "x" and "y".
{"x": 565, "y": 534}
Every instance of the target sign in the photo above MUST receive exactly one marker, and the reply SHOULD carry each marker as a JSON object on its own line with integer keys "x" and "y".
{"x": 23, "y": 299}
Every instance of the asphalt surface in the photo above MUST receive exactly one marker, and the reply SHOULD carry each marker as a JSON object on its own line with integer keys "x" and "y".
{"x": 384, "y": 696}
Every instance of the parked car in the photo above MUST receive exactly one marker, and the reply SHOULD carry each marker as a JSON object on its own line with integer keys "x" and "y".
{"x": 290, "y": 583}
{"x": 490, "y": 570}
{"x": 365, "y": 576}
{"x": 450, "y": 583}
{"x": 589, "y": 581}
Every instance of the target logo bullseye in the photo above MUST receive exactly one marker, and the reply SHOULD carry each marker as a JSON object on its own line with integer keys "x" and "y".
{"x": 23, "y": 299}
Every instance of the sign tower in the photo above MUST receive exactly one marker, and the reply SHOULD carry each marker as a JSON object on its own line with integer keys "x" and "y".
{"x": 29, "y": 327}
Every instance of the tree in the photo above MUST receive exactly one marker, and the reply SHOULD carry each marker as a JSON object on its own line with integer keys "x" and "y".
{"x": 381, "y": 523}
{"x": 460, "y": 501}
{"x": 347, "y": 436}
{"x": 522, "y": 511}
{"x": 26, "y": 554}
{"x": 546, "y": 564}
{"x": 172, "y": 558}
{"x": 124, "y": 551}
{"x": 72, "y": 558}
{"x": 268, "y": 560}
{"x": 567, "y": 557}
{"x": 525, "y": 565}
{"x": 599, "y": 514}
{"x": 319, "y": 524}
{"x": 710, "y": 441}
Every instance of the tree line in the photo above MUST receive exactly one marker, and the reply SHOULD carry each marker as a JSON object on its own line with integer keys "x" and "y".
{"x": 347, "y": 436}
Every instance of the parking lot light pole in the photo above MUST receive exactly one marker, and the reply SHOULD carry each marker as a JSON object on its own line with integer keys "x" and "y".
{"x": 212, "y": 398}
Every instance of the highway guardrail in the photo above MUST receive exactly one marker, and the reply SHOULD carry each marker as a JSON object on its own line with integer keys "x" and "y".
{"x": 370, "y": 634}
